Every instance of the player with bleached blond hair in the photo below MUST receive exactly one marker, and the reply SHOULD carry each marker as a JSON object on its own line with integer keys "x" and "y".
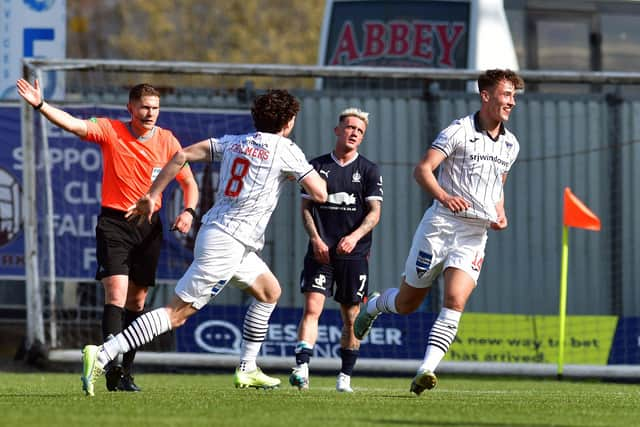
{"x": 474, "y": 154}
{"x": 253, "y": 170}
{"x": 340, "y": 233}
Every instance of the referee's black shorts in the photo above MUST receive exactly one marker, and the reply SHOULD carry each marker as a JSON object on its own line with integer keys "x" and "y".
{"x": 346, "y": 279}
{"x": 125, "y": 248}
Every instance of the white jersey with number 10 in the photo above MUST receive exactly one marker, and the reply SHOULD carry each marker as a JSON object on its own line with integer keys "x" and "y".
{"x": 253, "y": 169}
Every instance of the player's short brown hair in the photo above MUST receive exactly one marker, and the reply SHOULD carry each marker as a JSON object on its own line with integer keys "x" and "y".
{"x": 143, "y": 89}
{"x": 273, "y": 110}
{"x": 491, "y": 78}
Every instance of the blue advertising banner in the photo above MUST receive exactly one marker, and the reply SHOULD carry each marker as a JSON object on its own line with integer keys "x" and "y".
{"x": 76, "y": 169}
{"x": 625, "y": 349}
{"x": 218, "y": 329}
{"x": 11, "y": 235}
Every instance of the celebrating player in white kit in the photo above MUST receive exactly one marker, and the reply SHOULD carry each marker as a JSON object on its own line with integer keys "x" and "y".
{"x": 475, "y": 154}
{"x": 254, "y": 168}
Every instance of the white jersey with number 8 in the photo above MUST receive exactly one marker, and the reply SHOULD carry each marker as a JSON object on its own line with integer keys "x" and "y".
{"x": 253, "y": 169}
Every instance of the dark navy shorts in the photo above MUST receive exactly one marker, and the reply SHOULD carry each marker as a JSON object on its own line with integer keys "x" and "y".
{"x": 347, "y": 280}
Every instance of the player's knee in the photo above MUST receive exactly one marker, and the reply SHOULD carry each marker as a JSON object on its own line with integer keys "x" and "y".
{"x": 312, "y": 312}
{"x": 271, "y": 294}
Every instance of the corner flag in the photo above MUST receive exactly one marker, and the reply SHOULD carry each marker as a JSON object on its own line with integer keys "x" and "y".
{"x": 577, "y": 214}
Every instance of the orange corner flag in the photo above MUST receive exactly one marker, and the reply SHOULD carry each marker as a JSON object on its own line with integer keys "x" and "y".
{"x": 577, "y": 214}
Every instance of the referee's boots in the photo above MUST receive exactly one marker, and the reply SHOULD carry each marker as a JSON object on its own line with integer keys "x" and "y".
{"x": 126, "y": 383}
{"x": 117, "y": 378}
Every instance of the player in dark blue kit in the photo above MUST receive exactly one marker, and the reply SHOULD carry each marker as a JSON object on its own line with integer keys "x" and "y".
{"x": 337, "y": 261}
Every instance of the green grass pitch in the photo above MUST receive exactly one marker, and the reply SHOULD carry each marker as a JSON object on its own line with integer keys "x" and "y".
{"x": 56, "y": 399}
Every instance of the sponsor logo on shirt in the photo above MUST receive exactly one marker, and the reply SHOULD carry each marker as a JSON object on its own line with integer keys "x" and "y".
{"x": 342, "y": 198}
{"x": 488, "y": 157}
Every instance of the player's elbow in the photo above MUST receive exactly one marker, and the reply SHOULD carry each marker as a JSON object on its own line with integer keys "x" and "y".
{"x": 180, "y": 158}
{"x": 418, "y": 173}
{"x": 315, "y": 187}
{"x": 320, "y": 195}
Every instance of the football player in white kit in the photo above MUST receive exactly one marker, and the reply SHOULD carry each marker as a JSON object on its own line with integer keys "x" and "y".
{"x": 475, "y": 154}
{"x": 254, "y": 167}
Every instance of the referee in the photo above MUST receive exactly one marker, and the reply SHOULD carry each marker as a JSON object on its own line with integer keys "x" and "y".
{"x": 133, "y": 153}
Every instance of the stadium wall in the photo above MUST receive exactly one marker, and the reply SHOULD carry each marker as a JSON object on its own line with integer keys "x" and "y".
{"x": 587, "y": 142}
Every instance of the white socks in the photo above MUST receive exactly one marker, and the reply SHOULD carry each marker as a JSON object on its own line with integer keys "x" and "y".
{"x": 254, "y": 331}
{"x": 442, "y": 334}
{"x": 144, "y": 329}
{"x": 385, "y": 303}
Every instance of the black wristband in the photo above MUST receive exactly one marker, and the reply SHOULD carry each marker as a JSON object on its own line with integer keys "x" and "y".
{"x": 39, "y": 106}
{"x": 191, "y": 211}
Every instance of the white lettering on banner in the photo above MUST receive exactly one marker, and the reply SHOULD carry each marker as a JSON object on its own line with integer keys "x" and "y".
{"x": 285, "y": 349}
{"x": 282, "y": 349}
{"x": 88, "y": 258}
{"x": 279, "y": 332}
{"x": 78, "y": 226}
{"x": 217, "y": 336}
{"x": 329, "y": 334}
{"x": 78, "y": 193}
{"x": 332, "y": 334}
{"x": 87, "y": 159}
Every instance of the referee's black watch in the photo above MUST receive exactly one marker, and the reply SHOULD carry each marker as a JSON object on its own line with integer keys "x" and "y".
{"x": 191, "y": 211}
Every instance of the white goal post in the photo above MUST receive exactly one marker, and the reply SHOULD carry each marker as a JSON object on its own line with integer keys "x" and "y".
{"x": 409, "y": 105}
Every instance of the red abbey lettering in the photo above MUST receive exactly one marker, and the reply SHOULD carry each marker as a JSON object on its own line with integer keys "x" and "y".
{"x": 417, "y": 40}
{"x": 423, "y": 41}
{"x": 373, "y": 39}
{"x": 399, "y": 40}
{"x": 448, "y": 41}
{"x": 346, "y": 45}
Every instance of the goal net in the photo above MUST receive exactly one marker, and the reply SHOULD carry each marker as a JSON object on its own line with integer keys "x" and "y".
{"x": 512, "y": 322}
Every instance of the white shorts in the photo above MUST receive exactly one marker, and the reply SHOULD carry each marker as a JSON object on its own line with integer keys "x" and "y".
{"x": 443, "y": 241}
{"x": 218, "y": 259}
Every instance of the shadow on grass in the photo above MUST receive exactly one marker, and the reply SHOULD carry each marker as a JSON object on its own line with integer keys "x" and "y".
{"x": 424, "y": 422}
{"x": 32, "y": 395}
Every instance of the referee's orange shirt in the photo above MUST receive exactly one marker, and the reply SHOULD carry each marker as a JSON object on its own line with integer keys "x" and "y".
{"x": 129, "y": 165}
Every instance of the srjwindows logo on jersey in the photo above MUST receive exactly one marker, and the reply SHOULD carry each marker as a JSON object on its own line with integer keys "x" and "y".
{"x": 320, "y": 282}
{"x": 423, "y": 263}
{"x": 476, "y": 264}
{"x": 356, "y": 177}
